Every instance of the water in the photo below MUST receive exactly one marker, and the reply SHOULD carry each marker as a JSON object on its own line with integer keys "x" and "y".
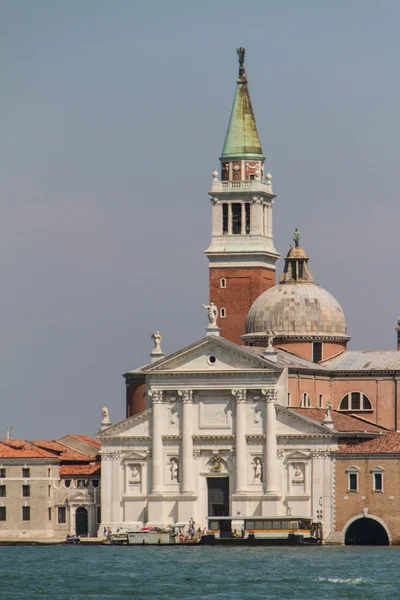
{"x": 121, "y": 573}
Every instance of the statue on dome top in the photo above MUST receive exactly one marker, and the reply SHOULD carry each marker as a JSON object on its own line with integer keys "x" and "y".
{"x": 296, "y": 237}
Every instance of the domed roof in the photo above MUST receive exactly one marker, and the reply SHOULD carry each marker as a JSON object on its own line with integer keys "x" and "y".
{"x": 297, "y": 310}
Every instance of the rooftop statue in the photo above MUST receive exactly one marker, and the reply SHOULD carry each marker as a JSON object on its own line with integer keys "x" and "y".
{"x": 212, "y": 312}
{"x": 156, "y": 337}
{"x": 296, "y": 237}
{"x": 104, "y": 414}
{"x": 241, "y": 53}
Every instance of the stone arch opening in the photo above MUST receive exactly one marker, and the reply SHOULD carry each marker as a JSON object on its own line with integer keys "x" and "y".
{"x": 81, "y": 521}
{"x": 365, "y": 531}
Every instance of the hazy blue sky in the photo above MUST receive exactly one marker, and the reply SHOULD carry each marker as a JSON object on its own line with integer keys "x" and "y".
{"x": 113, "y": 118}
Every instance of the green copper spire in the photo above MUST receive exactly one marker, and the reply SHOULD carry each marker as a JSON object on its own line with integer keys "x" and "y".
{"x": 242, "y": 137}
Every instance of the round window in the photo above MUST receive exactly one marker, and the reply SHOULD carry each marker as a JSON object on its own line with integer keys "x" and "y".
{"x": 212, "y": 360}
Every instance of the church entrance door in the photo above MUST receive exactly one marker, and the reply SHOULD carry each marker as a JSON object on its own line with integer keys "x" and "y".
{"x": 81, "y": 521}
{"x": 218, "y": 496}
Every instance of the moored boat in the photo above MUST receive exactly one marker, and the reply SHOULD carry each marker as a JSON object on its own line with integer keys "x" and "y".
{"x": 262, "y": 531}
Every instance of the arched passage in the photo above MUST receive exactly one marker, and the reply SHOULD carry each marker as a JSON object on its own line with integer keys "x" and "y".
{"x": 365, "y": 531}
{"x": 81, "y": 521}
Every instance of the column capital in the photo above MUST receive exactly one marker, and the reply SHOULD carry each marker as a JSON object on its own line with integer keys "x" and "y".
{"x": 240, "y": 395}
{"x": 156, "y": 395}
{"x": 186, "y": 395}
{"x": 271, "y": 395}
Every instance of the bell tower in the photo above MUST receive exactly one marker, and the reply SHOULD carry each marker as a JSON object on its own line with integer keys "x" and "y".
{"x": 241, "y": 254}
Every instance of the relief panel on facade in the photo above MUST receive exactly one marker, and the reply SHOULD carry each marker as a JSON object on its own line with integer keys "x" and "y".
{"x": 215, "y": 414}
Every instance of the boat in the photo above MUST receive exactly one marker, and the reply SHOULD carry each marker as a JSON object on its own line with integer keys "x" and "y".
{"x": 155, "y": 536}
{"x": 262, "y": 531}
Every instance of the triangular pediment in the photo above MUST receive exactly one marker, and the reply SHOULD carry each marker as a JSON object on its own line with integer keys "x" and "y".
{"x": 135, "y": 455}
{"x": 297, "y": 455}
{"x": 212, "y": 354}
{"x": 136, "y": 426}
{"x": 292, "y": 423}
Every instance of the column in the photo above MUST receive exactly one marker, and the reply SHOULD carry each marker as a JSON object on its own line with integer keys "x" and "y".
{"x": 157, "y": 443}
{"x": 241, "y": 445}
{"x": 257, "y": 220}
{"x": 216, "y": 217}
{"x": 187, "y": 442}
{"x": 243, "y": 219}
{"x": 230, "y": 218}
{"x": 271, "y": 485}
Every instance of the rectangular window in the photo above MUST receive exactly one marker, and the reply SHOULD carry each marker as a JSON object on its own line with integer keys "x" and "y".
{"x": 236, "y": 218}
{"x": 26, "y": 473}
{"x": 2, "y": 473}
{"x": 3, "y": 516}
{"x": 49, "y": 513}
{"x": 378, "y": 482}
{"x": 317, "y": 351}
{"x": 355, "y": 400}
{"x": 225, "y": 218}
{"x": 62, "y": 514}
{"x": 2, "y": 491}
{"x": 98, "y": 514}
{"x": 247, "y": 207}
{"x": 353, "y": 482}
{"x": 300, "y": 270}
{"x": 320, "y": 401}
{"x": 294, "y": 273}
{"x": 26, "y": 491}
{"x": 26, "y": 513}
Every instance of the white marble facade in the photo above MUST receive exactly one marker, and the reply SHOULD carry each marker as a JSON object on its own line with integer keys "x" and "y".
{"x": 215, "y": 409}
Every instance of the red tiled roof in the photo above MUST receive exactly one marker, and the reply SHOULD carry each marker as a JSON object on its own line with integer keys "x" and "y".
{"x": 22, "y": 449}
{"x": 386, "y": 444}
{"x": 86, "y": 439}
{"x": 341, "y": 421}
{"x": 79, "y": 470}
{"x": 62, "y": 451}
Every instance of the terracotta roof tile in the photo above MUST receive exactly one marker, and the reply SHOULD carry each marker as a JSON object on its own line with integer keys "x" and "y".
{"x": 64, "y": 452}
{"x": 86, "y": 439}
{"x": 341, "y": 421}
{"x": 387, "y": 444}
{"x": 80, "y": 470}
{"x": 22, "y": 449}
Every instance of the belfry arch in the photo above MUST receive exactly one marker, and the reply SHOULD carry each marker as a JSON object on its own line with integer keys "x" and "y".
{"x": 366, "y": 530}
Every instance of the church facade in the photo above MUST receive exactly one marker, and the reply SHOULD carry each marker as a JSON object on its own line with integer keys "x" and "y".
{"x": 249, "y": 420}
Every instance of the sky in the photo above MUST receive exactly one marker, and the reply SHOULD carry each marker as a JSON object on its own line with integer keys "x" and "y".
{"x": 113, "y": 116}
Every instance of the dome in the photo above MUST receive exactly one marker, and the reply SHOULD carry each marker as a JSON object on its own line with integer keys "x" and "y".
{"x": 297, "y": 310}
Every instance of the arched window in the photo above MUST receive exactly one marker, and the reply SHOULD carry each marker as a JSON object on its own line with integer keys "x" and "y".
{"x": 305, "y": 401}
{"x": 355, "y": 401}
{"x": 222, "y": 282}
{"x": 222, "y": 313}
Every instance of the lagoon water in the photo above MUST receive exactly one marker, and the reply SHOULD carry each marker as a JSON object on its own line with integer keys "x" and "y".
{"x": 123, "y": 572}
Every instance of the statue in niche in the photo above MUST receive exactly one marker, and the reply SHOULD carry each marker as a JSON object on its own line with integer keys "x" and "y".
{"x": 135, "y": 474}
{"x": 104, "y": 414}
{"x": 298, "y": 476}
{"x": 257, "y": 469}
{"x": 156, "y": 337}
{"x": 212, "y": 312}
{"x": 174, "y": 469}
